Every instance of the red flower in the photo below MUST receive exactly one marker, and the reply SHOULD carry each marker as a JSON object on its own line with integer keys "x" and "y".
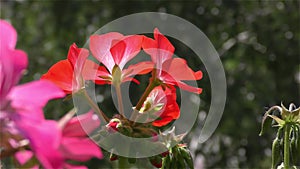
{"x": 69, "y": 74}
{"x": 169, "y": 70}
{"x": 114, "y": 50}
{"x": 161, "y": 105}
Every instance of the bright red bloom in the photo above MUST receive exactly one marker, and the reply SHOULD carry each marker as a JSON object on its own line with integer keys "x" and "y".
{"x": 162, "y": 106}
{"x": 169, "y": 70}
{"x": 114, "y": 50}
{"x": 69, "y": 74}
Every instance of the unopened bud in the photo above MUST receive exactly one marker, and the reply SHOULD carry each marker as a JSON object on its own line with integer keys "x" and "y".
{"x": 113, "y": 125}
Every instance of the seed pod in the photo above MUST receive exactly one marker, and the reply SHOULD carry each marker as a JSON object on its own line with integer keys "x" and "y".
{"x": 275, "y": 153}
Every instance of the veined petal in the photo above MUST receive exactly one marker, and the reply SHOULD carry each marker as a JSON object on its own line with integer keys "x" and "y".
{"x": 138, "y": 69}
{"x": 159, "y": 49}
{"x": 179, "y": 70}
{"x": 117, "y": 51}
{"x": 133, "y": 47}
{"x": 100, "y": 47}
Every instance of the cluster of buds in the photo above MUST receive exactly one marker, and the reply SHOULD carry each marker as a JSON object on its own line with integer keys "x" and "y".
{"x": 177, "y": 155}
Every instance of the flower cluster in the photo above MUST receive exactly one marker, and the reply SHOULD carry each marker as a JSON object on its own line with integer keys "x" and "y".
{"x": 25, "y": 129}
{"x": 25, "y": 133}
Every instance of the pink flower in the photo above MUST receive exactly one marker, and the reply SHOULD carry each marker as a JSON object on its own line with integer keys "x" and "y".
{"x": 75, "y": 144}
{"x": 69, "y": 74}
{"x": 114, "y": 50}
{"x": 54, "y": 143}
{"x": 170, "y": 70}
{"x": 24, "y": 101}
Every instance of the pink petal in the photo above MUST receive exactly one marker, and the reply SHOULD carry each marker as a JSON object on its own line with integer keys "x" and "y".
{"x": 23, "y": 156}
{"x": 100, "y": 47}
{"x": 44, "y": 138}
{"x": 8, "y": 35}
{"x": 80, "y": 149}
{"x": 12, "y": 62}
{"x": 94, "y": 72}
{"x": 138, "y": 69}
{"x": 34, "y": 95}
{"x": 81, "y": 125}
{"x": 133, "y": 47}
{"x": 117, "y": 51}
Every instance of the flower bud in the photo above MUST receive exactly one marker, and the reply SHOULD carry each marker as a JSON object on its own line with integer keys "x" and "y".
{"x": 113, "y": 125}
{"x": 165, "y": 154}
{"x": 113, "y": 157}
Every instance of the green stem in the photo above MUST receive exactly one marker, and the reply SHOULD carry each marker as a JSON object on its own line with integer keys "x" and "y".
{"x": 286, "y": 151}
{"x": 94, "y": 106}
{"x": 120, "y": 101}
{"x": 123, "y": 163}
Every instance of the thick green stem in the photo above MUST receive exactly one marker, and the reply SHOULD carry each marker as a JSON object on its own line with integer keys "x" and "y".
{"x": 94, "y": 106}
{"x": 123, "y": 163}
{"x": 120, "y": 101}
{"x": 286, "y": 151}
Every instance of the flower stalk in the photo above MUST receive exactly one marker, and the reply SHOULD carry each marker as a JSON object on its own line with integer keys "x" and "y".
{"x": 94, "y": 106}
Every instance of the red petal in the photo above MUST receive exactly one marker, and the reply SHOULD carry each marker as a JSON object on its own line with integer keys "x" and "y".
{"x": 179, "y": 70}
{"x": 117, "y": 51}
{"x": 133, "y": 47}
{"x": 100, "y": 47}
{"x": 189, "y": 88}
{"x": 61, "y": 74}
{"x": 77, "y": 57}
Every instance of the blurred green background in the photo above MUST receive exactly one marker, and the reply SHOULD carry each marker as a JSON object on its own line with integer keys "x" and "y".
{"x": 258, "y": 42}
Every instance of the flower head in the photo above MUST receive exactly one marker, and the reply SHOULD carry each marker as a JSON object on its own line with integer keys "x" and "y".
{"x": 169, "y": 70}
{"x": 114, "y": 50}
